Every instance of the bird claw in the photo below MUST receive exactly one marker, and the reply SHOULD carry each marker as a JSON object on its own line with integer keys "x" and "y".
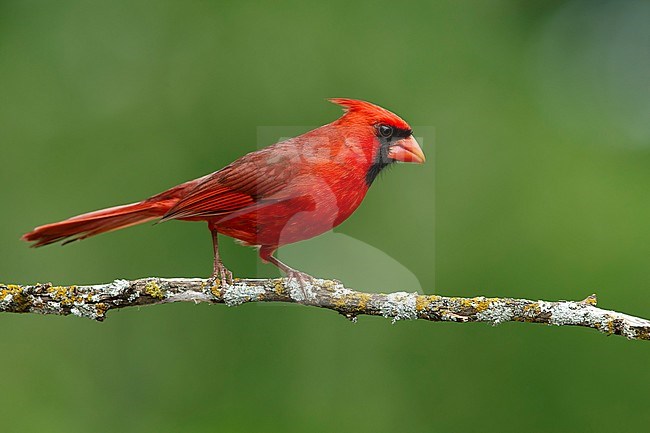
{"x": 301, "y": 277}
{"x": 222, "y": 275}
{"x": 303, "y": 281}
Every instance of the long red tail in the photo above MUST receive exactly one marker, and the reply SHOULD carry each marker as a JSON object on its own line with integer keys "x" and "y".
{"x": 101, "y": 221}
{"x": 113, "y": 218}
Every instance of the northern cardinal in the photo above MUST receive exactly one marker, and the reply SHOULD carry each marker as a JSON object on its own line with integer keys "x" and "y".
{"x": 287, "y": 192}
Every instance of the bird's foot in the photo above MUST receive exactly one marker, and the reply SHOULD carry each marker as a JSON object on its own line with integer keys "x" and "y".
{"x": 221, "y": 276}
{"x": 300, "y": 285}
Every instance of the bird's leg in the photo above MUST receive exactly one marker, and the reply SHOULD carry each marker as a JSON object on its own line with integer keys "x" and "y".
{"x": 218, "y": 269}
{"x": 303, "y": 279}
{"x": 291, "y": 272}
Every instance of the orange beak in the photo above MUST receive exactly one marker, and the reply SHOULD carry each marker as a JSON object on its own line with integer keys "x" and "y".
{"x": 406, "y": 150}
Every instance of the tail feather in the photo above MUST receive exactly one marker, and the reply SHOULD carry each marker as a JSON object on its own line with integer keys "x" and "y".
{"x": 101, "y": 221}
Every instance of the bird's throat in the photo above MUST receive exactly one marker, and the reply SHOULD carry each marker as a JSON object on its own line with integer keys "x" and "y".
{"x": 374, "y": 170}
{"x": 380, "y": 161}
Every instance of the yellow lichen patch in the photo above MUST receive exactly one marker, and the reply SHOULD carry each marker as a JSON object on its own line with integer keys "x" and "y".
{"x": 532, "y": 309}
{"x": 481, "y": 304}
{"x": 364, "y": 298}
{"x": 465, "y": 302}
{"x": 591, "y": 300}
{"x": 278, "y": 287}
{"x": 351, "y": 302}
{"x": 341, "y": 301}
{"x": 461, "y": 302}
{"x": 11, "y": 289}
{"x": 101, "y": 309}
{"x": 153, "y": 289}
{"x": 91, "y": 297}
{"x": 422, "y": 303}
{"x": 215, "y": 288}
{"x": 529, "y": 314}
{"x": 330, "y": 285}
{"x": 66, "y": 295}
{"x": 18, "y": 298}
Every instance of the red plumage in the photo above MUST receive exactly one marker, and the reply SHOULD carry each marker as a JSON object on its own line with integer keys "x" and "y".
{"x": 287, "y": 192}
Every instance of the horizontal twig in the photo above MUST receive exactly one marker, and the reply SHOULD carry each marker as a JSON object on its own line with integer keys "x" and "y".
{"x": 95, "y": 301}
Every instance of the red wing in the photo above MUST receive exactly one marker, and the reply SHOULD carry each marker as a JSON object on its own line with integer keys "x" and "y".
{"x": 244, "y": 182}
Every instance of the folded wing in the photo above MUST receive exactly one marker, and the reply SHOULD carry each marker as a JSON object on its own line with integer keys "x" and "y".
{"x": 242, "y": 184}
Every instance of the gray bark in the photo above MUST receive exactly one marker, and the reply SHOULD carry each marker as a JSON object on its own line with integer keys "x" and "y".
{"x": 95, "y": 301}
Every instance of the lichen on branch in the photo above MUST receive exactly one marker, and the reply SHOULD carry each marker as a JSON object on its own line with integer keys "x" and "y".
{"x": 94, "y": 301}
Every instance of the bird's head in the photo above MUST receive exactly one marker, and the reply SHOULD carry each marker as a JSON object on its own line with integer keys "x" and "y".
{"x": 385, "y": 136}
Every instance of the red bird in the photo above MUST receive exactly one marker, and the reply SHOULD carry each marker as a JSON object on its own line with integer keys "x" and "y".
{"x": 287, "y": 192}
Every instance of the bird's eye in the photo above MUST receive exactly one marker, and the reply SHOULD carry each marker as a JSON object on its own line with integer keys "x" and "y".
{"x": 385, "y": 131}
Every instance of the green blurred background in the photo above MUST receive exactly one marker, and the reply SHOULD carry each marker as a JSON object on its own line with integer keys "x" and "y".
{"x": 535, "y": 120}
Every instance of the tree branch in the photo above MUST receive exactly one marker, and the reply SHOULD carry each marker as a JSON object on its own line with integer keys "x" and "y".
{"x": 95, "y": 301}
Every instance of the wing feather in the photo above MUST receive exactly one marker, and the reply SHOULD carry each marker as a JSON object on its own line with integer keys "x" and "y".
{"x": 243, "y": 183}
